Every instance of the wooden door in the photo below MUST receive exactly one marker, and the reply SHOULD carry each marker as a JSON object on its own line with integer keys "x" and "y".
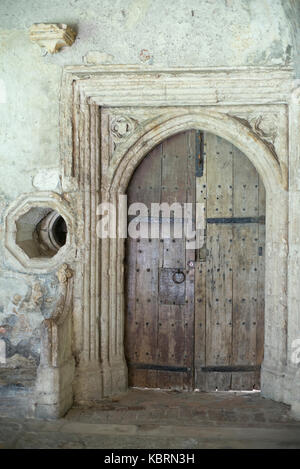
{"x": 205, "y": 331}
{"x": 160, "y": 285}
{"x": 229, "y": 312}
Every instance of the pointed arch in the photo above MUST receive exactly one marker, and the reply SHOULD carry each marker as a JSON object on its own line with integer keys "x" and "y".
{"x": 128, "y": 155}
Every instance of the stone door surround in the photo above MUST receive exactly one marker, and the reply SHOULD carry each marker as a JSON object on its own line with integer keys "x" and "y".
{"x": 111, "y": 117}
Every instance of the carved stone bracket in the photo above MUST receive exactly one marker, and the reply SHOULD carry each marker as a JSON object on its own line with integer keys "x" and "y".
{"x": 64, "y": 274}
{"x": 56, "y": 370}
{"x": 52, "y": 36}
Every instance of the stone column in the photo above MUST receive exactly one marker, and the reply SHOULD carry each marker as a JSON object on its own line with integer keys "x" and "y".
{"x": 293, "y": 330}
{"x": 275, "y": 350}
{"x": 88, "y": 385}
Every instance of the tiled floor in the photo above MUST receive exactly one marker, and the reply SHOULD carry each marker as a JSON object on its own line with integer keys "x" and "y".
{"x": 161, "y": 420}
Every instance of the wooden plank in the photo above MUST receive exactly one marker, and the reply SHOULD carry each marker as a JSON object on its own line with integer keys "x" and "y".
{"x": 130, "y": 301}
{"x": 260, "y": 323}
{"x": 200, "y": 321}
{"x": 245, "y": 249}
{"x": 200, "y": 271}
{"x": 170, "y": 346}
{"x": 141, "y": 333}
{"x": 219, "y": 296}
{"x": 147, "y": 306}
{"x": 174, "y": 169}
{"x": 174, "y": 320}
{"x": 219, "y": 176}
{"x": 189, "y": 310}
{"x": 219, "y": 260}
{"x": 173, "y": 190}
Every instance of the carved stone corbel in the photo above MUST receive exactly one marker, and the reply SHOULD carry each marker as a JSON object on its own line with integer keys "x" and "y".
{"x": 52, "y": 37}
{"x": 56, "y": 370}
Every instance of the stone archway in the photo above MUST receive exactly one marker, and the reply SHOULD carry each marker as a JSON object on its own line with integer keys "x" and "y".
{"x": 121, "y": 170}
{"x": 228, "y": 127}
{"x": 111, "y": 117}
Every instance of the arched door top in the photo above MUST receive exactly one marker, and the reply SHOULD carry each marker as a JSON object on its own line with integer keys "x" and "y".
{"x": 129, "y": 154}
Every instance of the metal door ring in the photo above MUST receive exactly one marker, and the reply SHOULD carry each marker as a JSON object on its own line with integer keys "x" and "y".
{"x": 178, "y": 277}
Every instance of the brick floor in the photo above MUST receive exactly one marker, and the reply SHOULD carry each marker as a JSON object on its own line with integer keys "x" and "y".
{"x": 160, "y": 420}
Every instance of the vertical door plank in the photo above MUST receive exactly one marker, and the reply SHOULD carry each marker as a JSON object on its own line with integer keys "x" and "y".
{"x": 245, "y": 248}
{"x": 219, "y": 260}
{"x": 200, "y": 271}
{"x": 174, "y": 320}
{"x": 260, "y": 323}
{"x": 141, "y": 333}
{"x": 200, "y": 321}
{"x": 189, "y": 309}
{"x": 131, "y": 332}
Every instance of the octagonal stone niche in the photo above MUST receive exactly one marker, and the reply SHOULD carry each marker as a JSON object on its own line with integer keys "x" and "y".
{"x": 38, "y": 231}
{"x": 41, "y": 232}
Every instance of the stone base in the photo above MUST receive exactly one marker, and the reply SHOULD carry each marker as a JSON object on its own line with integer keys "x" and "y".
{"x": 95, "y": 381}
{"x": 115, "y": 378}
{"x": 282, "y": 386}
{"x": 119, "y": 377}
{"x": 88, "y": 384}
{"x": 273, "y": 384}
{"x": 54, "y": 390}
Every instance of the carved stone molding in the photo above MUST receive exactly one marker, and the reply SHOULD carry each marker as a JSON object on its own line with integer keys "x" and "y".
{"x": 52, "y": 37}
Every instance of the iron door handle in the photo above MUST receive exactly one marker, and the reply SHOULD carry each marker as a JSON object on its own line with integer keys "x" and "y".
{"x": 178, "y": 277}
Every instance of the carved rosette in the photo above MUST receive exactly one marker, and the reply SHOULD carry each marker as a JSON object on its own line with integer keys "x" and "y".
{"x": 121, "y": 128}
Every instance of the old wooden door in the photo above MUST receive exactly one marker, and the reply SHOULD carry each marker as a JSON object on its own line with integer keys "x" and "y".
{"x": 194, "y": 318}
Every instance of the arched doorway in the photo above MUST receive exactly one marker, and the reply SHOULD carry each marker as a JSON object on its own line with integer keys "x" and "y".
{"x": 195, "y": 317}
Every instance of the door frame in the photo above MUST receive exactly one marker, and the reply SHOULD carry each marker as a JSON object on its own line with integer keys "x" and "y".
{"x": 262, "y": 158}
{"x": 257, "y": 110}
